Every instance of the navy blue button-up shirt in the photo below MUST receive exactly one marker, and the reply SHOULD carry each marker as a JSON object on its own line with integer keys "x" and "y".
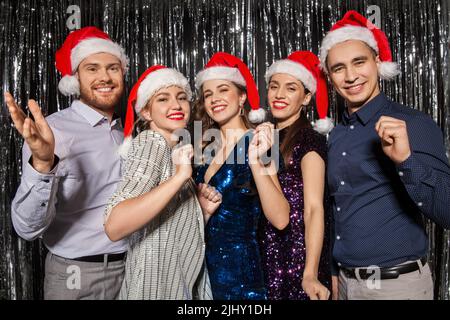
{"x": 378, "y": 205}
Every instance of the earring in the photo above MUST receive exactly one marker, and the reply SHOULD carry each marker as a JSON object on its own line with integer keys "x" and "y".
{"x": 242, "y": 111}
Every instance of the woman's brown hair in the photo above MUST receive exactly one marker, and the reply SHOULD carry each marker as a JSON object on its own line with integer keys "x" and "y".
{"x": 292, "y": 132}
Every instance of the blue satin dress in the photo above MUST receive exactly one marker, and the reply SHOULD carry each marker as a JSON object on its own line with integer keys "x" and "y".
{"x": 232, "y": 251}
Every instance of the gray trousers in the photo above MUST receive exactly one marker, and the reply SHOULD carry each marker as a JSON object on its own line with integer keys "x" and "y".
{"x": 67, "y": 279}
{"x": 417, "y": 285}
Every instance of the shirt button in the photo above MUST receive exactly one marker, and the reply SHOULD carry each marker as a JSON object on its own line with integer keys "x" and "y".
{"x": 352, "y": 127}
{"x": 344, "y": 153}
{"x": 342, "y": 183}
{"x": 338, "y": 209}
{"x": 420, "y": 204}
{"x": 400, "y": 173}
{"x": 338, "y": 237}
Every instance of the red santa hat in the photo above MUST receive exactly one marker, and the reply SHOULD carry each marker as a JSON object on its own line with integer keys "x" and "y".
{"x": 354, "y": 26}
{"x": 224, "y": 66}
{"x": 79, "y": 45}
{"x": 305, "y": 66}
{"x": 153, "y": 79}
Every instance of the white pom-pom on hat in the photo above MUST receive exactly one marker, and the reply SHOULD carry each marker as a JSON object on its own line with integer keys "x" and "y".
{"x": 125, "y": 147}
{"x": 388, "y": 70}
{"x": 69, "y": 85}
{"x": 257, "y": 116}
{"x": 323, "y": 126}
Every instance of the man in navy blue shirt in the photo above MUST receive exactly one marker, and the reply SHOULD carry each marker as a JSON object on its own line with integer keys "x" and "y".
{"x": 386, "y": 169}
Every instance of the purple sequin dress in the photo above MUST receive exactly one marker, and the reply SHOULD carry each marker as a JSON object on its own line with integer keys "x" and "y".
{"x": 284, "y": 252}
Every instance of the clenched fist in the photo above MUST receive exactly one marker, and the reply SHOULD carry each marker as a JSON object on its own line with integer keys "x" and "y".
{"x": 394, "y": 138}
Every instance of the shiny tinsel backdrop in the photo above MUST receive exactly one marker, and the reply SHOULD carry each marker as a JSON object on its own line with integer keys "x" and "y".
{"x": 184, "y": 34}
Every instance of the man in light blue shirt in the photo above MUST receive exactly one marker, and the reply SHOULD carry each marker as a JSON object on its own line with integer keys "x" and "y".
{"x": 71, "y": 168}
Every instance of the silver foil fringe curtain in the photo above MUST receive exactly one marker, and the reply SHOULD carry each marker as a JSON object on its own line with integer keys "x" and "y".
{"x": 184, "y": 34}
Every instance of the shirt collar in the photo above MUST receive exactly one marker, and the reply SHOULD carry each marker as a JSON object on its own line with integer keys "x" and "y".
{"x": 92, "y": 116}
{"x": 348, "y": 118}
{"x": 116, "y": 121}
{"x": 367, "y": 112}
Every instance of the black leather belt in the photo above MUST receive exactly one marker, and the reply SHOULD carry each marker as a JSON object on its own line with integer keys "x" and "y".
{"x": 102, "y": 258}
{"x": 385, "y": 273}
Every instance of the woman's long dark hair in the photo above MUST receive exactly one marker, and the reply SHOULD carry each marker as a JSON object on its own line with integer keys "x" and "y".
{"x": 292, "y": 133}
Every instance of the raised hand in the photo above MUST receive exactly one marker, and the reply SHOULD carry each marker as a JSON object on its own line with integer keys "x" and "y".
{"x": 262, "y": 141}
{"x": 182, "y": 158}
{"x": 394, "y": 138}
{"x": 37, "y": 134}
{"x": 209, "y": 198}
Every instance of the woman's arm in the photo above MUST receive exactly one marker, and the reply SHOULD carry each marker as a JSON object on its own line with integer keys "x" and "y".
{"x": 313, "y": 173}
{"x": 274, "y": 204}
{"x": 132, "y": 214}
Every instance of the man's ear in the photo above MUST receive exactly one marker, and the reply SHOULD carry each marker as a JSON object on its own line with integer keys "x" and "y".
{"x": 377, "y": 59}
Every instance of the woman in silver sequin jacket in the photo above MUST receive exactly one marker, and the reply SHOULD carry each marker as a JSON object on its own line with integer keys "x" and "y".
{"x": 155, "y": 205}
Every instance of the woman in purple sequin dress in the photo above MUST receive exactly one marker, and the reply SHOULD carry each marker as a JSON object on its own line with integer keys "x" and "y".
{"x": 296, "y": 260}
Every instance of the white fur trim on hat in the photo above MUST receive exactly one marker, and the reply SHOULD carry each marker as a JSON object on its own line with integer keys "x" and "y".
{"x": 220, "y": 73}
{"x": 323, "y": 126}
{"x": 161, "y": 78}
{"x": 257, "y": 116}
{"x": 294, "y": 69}
{"x": 343, "y": 34}
{"x": 97, "y": 45}
{"x": 69, "y": 85}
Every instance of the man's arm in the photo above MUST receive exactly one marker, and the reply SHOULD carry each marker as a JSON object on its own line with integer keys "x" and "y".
{"x": 34, "y": 205}
{"x": 417, "y": 150}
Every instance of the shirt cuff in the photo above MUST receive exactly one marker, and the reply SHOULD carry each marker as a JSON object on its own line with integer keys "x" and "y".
{"x": 413, "y": 172}
{"x": 32, "y": 175}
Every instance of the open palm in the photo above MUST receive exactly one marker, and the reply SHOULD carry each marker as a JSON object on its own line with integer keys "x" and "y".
{"x": 37, "y": 134}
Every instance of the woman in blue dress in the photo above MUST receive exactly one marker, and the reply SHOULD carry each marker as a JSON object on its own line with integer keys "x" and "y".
{"x": 232, "y": 170}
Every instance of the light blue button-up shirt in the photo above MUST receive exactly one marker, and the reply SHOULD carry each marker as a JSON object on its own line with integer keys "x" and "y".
{"x": 66, "y": 206}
